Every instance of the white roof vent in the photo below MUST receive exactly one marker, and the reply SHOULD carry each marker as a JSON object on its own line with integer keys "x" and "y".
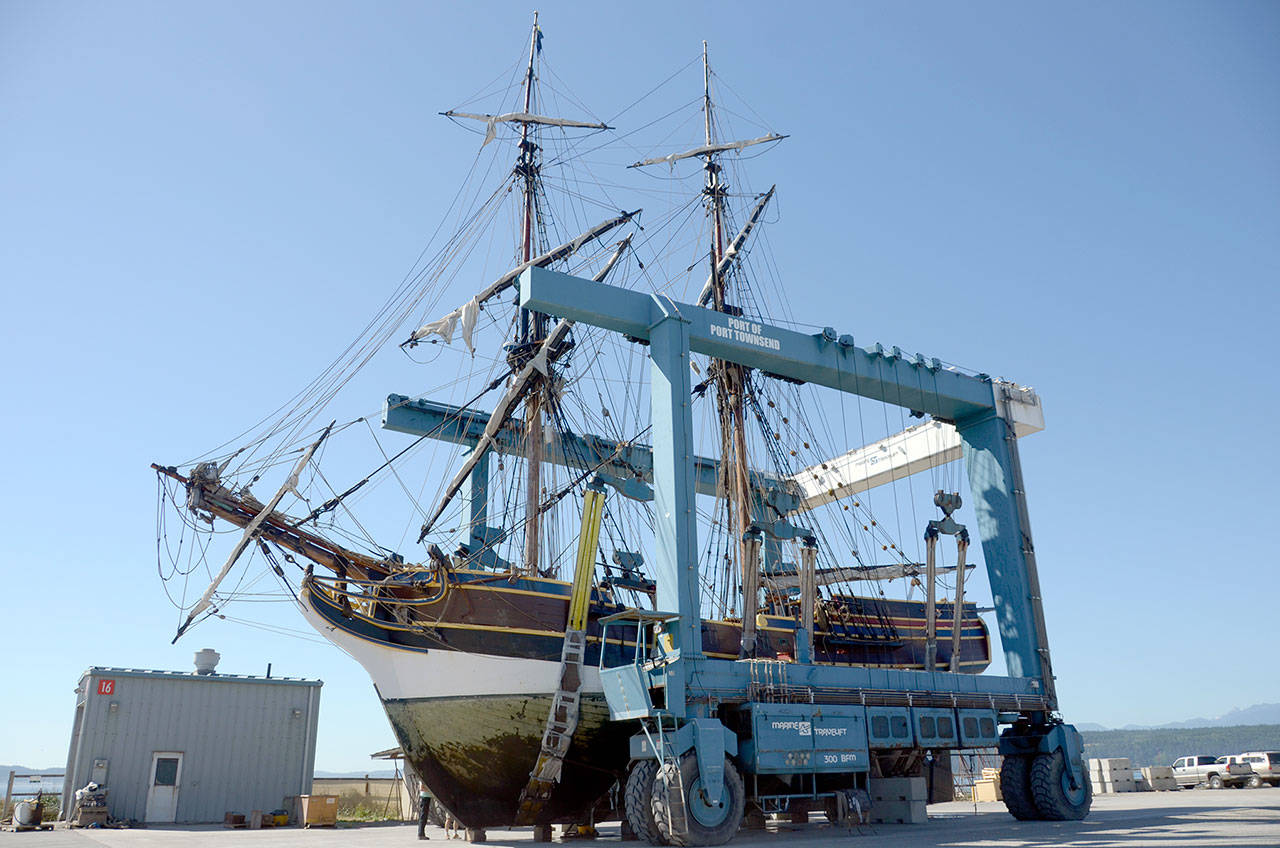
{"x": 207, "y": 660}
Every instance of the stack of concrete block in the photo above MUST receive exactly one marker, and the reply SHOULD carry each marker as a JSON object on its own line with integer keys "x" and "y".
{"x": 1160, "y": 778}
{"x": 899, "y": 800}
{"x": 1111, "y": 774}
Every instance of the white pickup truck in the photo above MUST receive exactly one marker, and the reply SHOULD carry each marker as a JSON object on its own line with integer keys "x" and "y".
{"x": 1214, "y": 772}
{"x": 1265, "y": 765}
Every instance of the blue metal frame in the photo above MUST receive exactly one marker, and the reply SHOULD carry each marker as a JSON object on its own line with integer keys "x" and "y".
{"x": 694, "y": 684}
{"x": 673, "y": 330}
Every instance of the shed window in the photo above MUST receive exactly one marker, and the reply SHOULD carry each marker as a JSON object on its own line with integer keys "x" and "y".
{"x": 167, "y": 771}
{"x": 970, "y": 726}
{"x": 946, "y": 727}
{"x": 900, "y": 727}
{"x": 988, "y": 726}
{"x": 880, "y": 727}
{"x": 928, "y": 727}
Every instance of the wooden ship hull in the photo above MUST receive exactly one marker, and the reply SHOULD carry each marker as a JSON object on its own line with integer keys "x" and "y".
{"x": 466, "y": 666}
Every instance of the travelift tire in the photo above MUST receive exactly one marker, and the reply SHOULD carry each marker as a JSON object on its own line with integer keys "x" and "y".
{"x": 637, "y": 801}
{"x": 1051, "y": 787}
{"x": 1015, "y": 788}
{"x": 680, "y": 810}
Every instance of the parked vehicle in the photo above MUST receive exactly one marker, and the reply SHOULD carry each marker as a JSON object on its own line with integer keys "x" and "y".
{"x": 1238, "y": 760}
{"x": 1265, "y": 765}
{"x": 1215, "y": 772}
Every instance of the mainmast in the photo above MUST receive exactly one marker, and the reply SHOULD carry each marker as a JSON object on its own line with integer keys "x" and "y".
{"x": 732, "y": 378}
{"x": 734, "y": 482}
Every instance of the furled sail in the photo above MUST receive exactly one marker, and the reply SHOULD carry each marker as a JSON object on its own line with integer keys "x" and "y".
{"x": 791, "y": 579}
{"x": 734, "y": 246}
{"x": 547, "y": 353}
{"x": 492, "y": 121}
{"x": 718, "y": 147}
{"x": 444, "y": 327}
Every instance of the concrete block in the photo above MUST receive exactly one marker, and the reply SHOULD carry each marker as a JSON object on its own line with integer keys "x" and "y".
{"x": 899, "y": 812}
{"x": 898, "y": 789}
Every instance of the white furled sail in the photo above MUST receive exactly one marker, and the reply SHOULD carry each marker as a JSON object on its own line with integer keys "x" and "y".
{"x": 492, "y": 121}
{"x": 827, "y": 576}
{"x": 734, "y": 246}
{"x": 467, "y": 313}
{"x": 537, "y": 365}
{"x": 706, "y": 149}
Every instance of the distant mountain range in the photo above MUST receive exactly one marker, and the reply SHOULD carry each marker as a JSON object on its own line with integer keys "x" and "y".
{"x": 1257, "y": 714}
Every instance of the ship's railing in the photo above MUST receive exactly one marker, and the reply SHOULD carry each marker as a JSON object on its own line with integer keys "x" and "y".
{"x": 360, "y": 598}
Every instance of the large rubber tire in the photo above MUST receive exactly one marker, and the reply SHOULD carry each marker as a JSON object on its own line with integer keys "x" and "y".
{"x": 1214, "y": 781}
{"x": 637, "y": 801}
{"x": 1051, "y": 788}
{"x": 1015, "y": 788}
{"x": 679, "y": 812}
{"x": 1254, "y": 782}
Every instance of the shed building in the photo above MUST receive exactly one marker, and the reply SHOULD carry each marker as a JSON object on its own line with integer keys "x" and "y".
{"x": 189, "y": 747}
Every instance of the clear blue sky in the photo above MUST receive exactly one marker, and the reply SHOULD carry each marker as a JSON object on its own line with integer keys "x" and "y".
{"x": 202, "y": 202}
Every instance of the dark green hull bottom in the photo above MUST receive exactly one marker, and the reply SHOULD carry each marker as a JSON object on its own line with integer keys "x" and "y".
{"x": 475, "y": 754}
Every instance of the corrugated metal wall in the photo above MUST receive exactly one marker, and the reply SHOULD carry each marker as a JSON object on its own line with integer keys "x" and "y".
{"x": 246, "y": 742}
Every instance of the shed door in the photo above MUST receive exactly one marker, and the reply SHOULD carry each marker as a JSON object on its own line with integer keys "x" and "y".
{"x": 162, "y": 795}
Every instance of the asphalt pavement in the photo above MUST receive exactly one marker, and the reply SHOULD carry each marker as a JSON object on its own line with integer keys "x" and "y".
{"x": 1185, "y": 819}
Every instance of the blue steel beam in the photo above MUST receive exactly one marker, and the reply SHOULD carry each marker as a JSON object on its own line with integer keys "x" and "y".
{"x": 462, "y": 426}
{"x": 825, "y": 359}
{"x": 833, "y": 361}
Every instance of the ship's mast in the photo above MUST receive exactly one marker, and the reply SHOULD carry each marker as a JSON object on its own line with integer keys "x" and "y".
{"x": 730, "y": 388}
{"x": 532, "y": 325}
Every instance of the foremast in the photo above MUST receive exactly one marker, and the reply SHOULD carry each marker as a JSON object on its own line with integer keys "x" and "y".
{"x": 532, "y": 325}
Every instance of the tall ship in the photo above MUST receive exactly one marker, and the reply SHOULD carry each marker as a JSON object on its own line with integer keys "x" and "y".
{"x": 465, "y": 552}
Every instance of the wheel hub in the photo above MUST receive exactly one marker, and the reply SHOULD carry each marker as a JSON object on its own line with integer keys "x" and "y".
{"x": 707, "y": 815}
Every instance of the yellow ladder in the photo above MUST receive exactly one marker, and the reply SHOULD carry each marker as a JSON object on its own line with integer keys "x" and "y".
{"x": 562, "y": 720}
